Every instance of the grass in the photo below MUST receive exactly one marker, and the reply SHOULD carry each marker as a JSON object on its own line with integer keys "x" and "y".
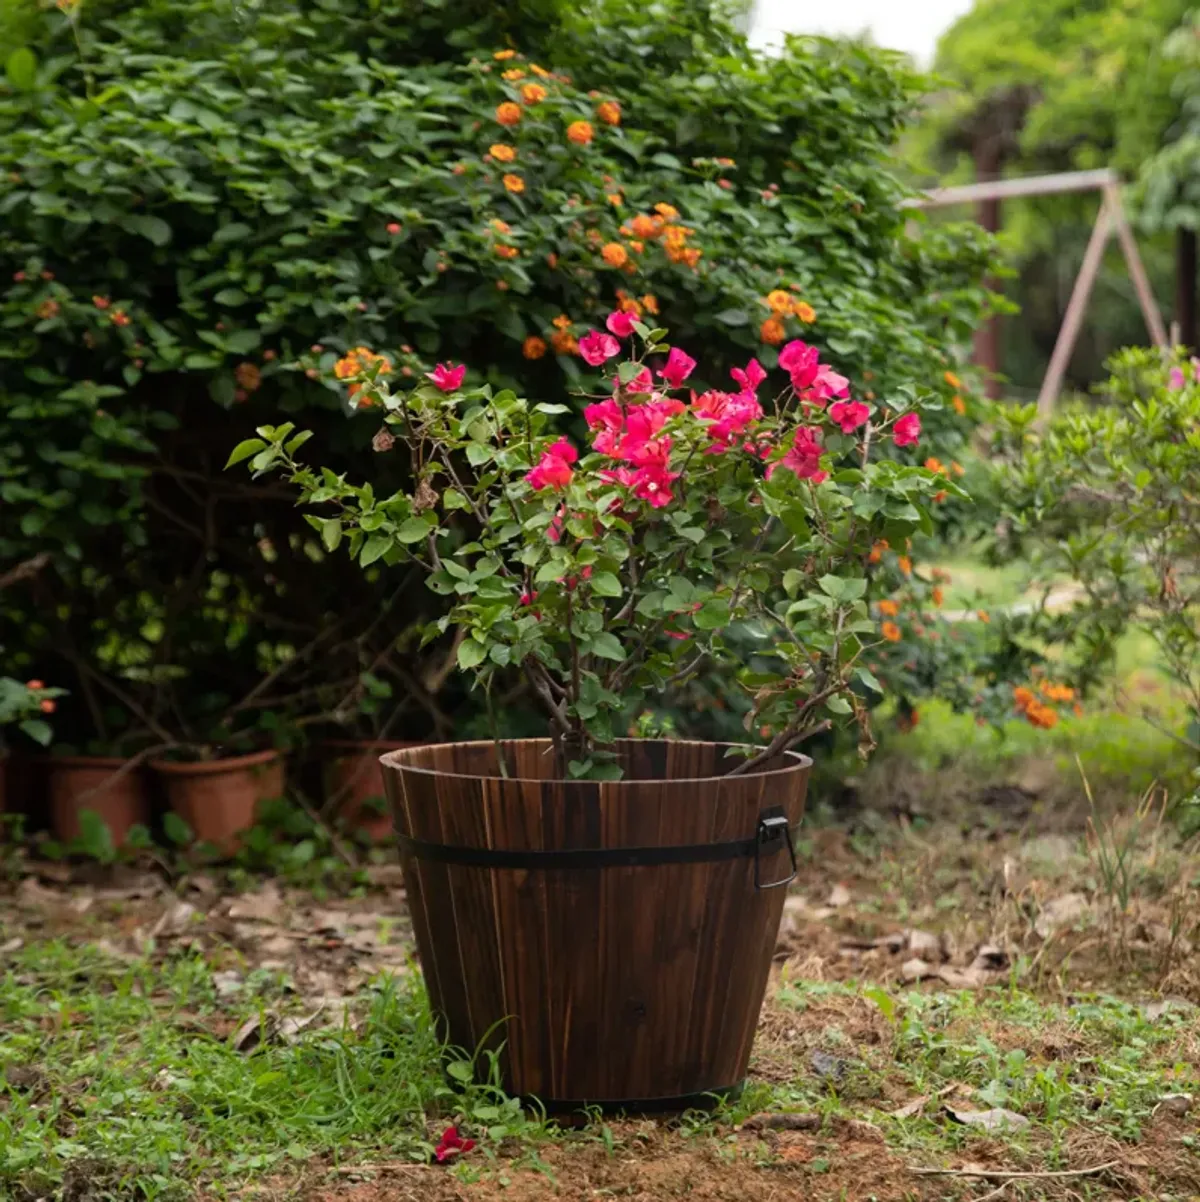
{"x": 125, "y": 1074}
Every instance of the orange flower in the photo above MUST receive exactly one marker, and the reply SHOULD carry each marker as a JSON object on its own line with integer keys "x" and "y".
{"x": 938, "y": 595}
{"x": 614, "y": 254}
{"x": 1057, "y": 692}
{"x": 960, "y": 406}
{"x": 877, "y": 550}
{"x": 888, "y": 608}
{"x": 609, "y": 111}
{"x": 666, "y": 211}
{"x": 508, "y": 113}
{"x": 934, "y": 465}
{"x": 506, "y": 252}
{"x": 645, "y": 226}
{"x": 779, "y": 302}
{"x": 904, "y": 564}
{"x": 983, "y": 616}
{"x": 35, "y": 685}
{"x": 347, "y": 366}
{"x": 579, "y": 132}
{"x": 101, "y": 302}
{"x": 564, "y": 343}
{"x": 1023, "y": 698}
{"x": 533, "y": 93}
{"x": 628, "y": 304}
{"x": 561, "y": 322}
{"x": 650, "y": 304}
{"x": 48, "y": 706}
{"x": 1041, "y": 716}
{"x": 772, "y": 331}
{"x": 503, "y": 55}
{"x": 501, "y": 152}
{"x": 513, "y": 74}
{"x": 248, "y": 376}
{"x": 540, "y": 72}
{"x": 952, "y": 380}
{"x": 940, "y": 496}
{"x": 691, "y": 256}
{"x": 891, "y": 632}
{"x": 501, "y": 227}
{"x": 675, "y": 237}
{"x": 120, "y": 317}
{"x": 47, "y": 309}
{"x": 615, "y": 198}
{"x": 533, "y": 347}
{"x": 958, "y": 469}
{"x": 807, "y": 314}
{"x": 514, "y": 183}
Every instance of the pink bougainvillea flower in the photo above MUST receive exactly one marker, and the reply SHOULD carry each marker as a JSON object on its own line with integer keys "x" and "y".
{"x": 607, "y": 418}
{"x": 679, "y": 366}
{"x": 652, "y": 483}
{"x": 728, "y": 413}
{"x": 528, "y": 598}
{"x": 677, "y": 634}
{"x": 801, "y": 362}
{"x": 849, "y": 414}
{"x": 554, "y": 468}
{"x": 596, "y": 348}
{"x": 804, "y": 457}
{"x": 1176, "y": 378}
{"x": 448, "y": 378}
{"x": 907, "y": 430}
{"x": 620, "y": 475}
{"x": 450, "y": 1145}
{"x": 620, "y": 323}
{"x": 642, "y": 382}
{"x": 827, "y": 385}
{"x": 751, "y": 377}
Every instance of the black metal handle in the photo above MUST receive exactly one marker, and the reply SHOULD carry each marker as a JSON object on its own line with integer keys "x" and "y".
{"x": 774, "y": 834}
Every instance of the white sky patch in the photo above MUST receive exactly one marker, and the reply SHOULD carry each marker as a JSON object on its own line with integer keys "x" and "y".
{"x": 913, "y": 26}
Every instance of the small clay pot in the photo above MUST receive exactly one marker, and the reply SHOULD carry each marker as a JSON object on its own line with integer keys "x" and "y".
{"x": 354, "y": 777}
{"x": 218, "y": 798}
{"x": 85, "y": 782}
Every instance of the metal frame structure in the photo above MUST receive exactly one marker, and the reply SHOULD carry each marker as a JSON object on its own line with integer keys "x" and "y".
{"x": 1110, "y": 218}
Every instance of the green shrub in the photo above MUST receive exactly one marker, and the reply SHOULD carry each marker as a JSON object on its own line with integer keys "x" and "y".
{"x": 205, "y": 205}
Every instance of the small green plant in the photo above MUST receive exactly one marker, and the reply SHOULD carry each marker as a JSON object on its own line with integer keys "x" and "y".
{"x": 25, "y": 706}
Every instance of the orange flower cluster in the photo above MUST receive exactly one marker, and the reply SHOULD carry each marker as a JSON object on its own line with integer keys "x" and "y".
{"x": 502, "y": 153}
{"x": 891, "y": 632}
{"x": 1035, "y": 712}
{"x": 47, "y": 309}
{"x": 784, "y": 304}
{"x": 614, "y": 254}
{"x": 579, "y": 132}
{"x": 564, "y": 343}
{"x": 248, "y": 376}
{"x": 1056, "y": 692}
{"x": 514, "y": 183}
{"x": 533, "y": 93}
{"x": 631, "y": 304}
{"x": 357, "y": 361}
{"x": 659, "y": 224}
{"x": 533, "y": 347}
{"x": 508, "y": 113}
{"x": 506, "y": 252}
{"x": 772, "y": 331}
{"x": 888, "y": 608}
{"x": 513, "y": 74}
{"x": 609, "y": 111}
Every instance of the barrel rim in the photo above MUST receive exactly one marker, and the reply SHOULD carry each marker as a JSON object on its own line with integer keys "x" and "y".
{"x": 394, "y": 761}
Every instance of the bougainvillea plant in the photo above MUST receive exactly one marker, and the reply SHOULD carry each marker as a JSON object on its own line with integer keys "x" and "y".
{"x": 609, "y": 571}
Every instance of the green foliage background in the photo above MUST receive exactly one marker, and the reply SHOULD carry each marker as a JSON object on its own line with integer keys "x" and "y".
{"x": 195, "y": 200}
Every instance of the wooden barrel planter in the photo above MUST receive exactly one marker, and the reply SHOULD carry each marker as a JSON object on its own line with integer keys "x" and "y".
{"x": 616, "y": 937}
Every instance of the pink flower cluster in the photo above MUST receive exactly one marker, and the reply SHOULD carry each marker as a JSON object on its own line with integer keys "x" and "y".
{"x": 815, "y": 382}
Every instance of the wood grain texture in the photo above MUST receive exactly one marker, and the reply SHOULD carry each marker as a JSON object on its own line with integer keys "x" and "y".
{"x": 602, "y": 984}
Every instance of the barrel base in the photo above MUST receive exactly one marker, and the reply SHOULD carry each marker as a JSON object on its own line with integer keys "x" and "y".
{"x": 708, "y": 1099}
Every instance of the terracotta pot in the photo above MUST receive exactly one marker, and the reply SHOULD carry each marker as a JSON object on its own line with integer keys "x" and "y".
{"x": 218, "y": 798}
{"x": 83, "y": 782}
{"x": 615, "y": 936}
{"x": 354, "y": 777}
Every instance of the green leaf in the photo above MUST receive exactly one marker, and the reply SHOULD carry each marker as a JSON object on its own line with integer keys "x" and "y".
{"x": 413, "y": 530}
{"x": 235, "y": 231}
{"x": 471, "y": 654}
{"x": 832, "y": 586}
{"x": 607, "y": 646}
{"x": 868, "y": 678}
{"x": 331, "y": 533}
{"x": 242, "y": 342}
{"x": 734, "y": 317}
{"x": 176, "y": 829}
{"x": 460, "y": 1070}
{"x": 154, "y": 229}
{"x": 793, "y": 578}
{"x": 37, "y": 730}
{"x": 21, "y": 69}
{"x": 374, "y": 548}
{"x": 605, "y": 584}
{"x": 839, "y": 705}
{"x": 712, "y": 615}
{"x": 244, "y": 449}
{"x": 453, "y": 499}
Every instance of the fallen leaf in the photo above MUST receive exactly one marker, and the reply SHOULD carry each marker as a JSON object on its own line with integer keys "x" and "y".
{"x": 252, "y": 1032}
{"x": 12, "y": 945}
{"x": 997, "y": 1119}
{"x": 910, "y": 1108}
{"x": 1175, "y": 1104}
{"x": 783, "y": 1122}
{"x": 1060, "y": 912}
{"x": 227, "y": 983}
{"x": 174, "y": 919}
{"x": 924, "y": 945}
{"x": 839, "y": 896}
{"x": 829, "y": 1068}
{"x": 1153, "y": 1011}
{"x": 917, "y": 970}
{"x": 265, "y": 905}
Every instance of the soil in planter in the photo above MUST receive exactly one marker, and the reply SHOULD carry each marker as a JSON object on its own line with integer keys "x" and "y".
{"x": 78, "y": 783}
{"x": 219, "y": 799}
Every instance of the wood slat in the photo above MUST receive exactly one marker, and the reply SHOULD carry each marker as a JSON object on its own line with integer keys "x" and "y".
{"x": 606, "y": 985}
